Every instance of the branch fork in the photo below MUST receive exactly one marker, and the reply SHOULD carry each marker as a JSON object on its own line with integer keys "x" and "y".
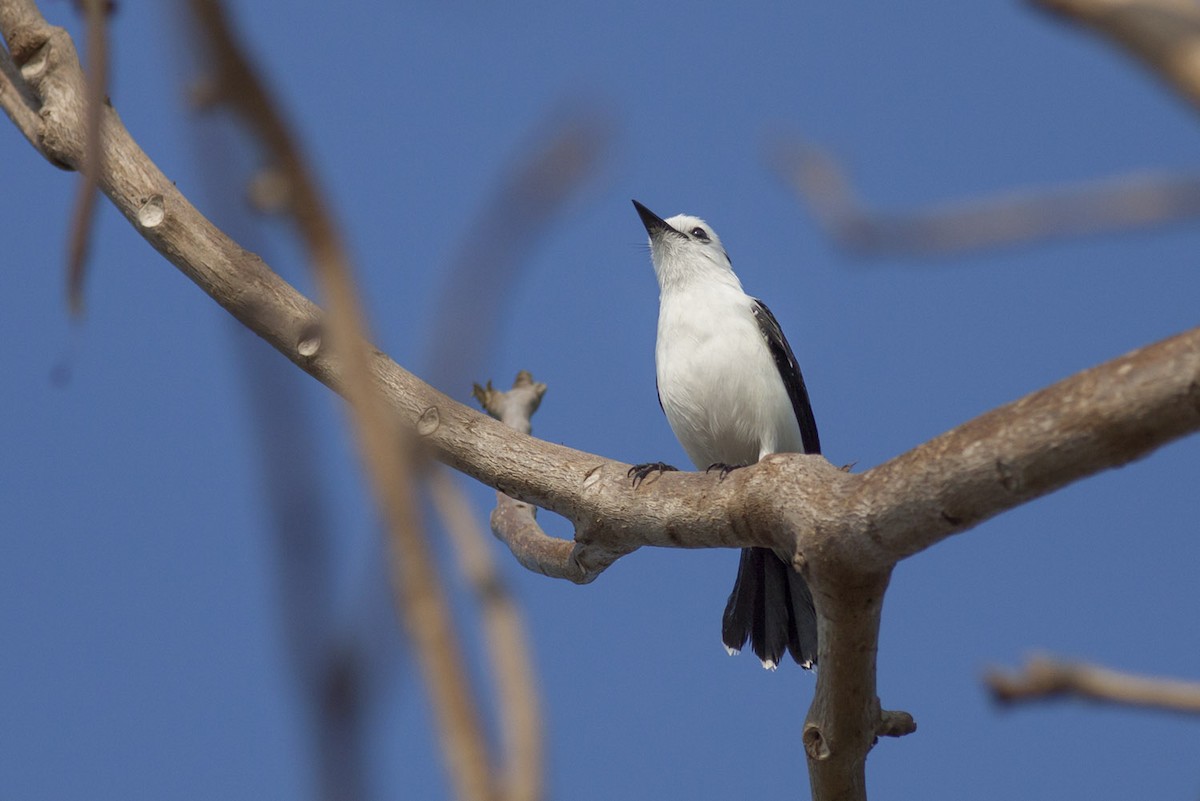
{"x": 846, "y": 532}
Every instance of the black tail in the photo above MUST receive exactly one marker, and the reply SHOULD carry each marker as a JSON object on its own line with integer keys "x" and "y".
{"x": 772, "y": 607}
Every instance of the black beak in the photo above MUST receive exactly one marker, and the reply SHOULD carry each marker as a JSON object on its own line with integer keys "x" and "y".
{"x": 655, "y": 225}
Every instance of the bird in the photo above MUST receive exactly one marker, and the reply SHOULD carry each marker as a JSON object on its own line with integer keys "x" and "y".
{"x": 732, "y": 393}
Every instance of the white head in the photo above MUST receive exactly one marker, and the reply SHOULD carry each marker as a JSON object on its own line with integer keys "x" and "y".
{"x": 684, "y": 249}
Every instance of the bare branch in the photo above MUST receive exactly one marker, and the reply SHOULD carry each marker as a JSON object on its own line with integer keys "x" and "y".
{"x": 1163, "y": 34}
{"x": 420, "y": 597}
{"x": 1017, "y": 217}
{"x": 338, "y": 668}
{"x": 18, "y": 102}
{"x": 845, "y": 532}
{"x": 896, "y": 724}
{"x": 514, "y": 408}
{"x": 845, "y": 718}
{"x": 96, "y": 19}
{"x": 508, "y": 644}
{"x": 514, "y": 522}
{"x": 1100, "y": 418}
{"x": 48, "y": 67}
{"x": 1044, "y": 678}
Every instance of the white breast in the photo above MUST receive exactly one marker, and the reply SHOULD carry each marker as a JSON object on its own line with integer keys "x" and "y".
{"x": 718, "y": 383}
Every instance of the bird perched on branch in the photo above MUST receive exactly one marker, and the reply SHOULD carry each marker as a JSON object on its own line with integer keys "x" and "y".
{"x": 733, "y": 393}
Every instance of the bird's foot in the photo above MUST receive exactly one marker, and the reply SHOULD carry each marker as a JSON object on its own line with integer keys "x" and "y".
{"x": 725, "y": 469}
{"x": 639, "y": 471}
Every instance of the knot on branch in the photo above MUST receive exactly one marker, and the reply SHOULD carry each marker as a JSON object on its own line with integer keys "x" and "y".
{"x": 815, "y": 744}
{"x": 49, "y": 65}
{"x": 895, "y": 723}
{"x": 26, "y": 46}
{"x": 891, "y": 723}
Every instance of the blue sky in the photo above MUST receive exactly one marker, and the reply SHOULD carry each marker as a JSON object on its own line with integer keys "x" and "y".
{"x": 140, "y": 621}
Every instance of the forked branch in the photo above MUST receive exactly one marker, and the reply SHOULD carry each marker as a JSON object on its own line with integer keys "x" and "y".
{"x": 845, "y": 532}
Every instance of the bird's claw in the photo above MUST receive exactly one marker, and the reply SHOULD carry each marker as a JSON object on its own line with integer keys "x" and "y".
{"x": 725, "y": 469}
{"x": 639, "y": 471}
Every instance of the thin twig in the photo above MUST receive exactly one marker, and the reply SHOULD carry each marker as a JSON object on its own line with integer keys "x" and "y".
{"x": 1045, "y": 678}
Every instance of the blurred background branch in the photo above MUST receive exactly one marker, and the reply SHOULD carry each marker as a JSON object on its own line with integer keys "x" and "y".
{"x": 95, "y": 15}
{"x": 514, "y": 675}
{"x": 1010, "y": 219}
{"x": 496, "y": 245}
{"x": 337, "y": 666}
{"x": 1163, "y": 34}
{"x": 1045, "y": 678}
{"x": 420, "y": 597}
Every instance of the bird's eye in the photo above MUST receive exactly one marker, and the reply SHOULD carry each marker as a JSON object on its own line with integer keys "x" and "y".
{"x": 700, "y": 233}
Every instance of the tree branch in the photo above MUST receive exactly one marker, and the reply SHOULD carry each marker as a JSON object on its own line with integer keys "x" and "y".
{"x": 514, "y": 522}
{"x": 1162, "y": 34}
{"x": 1101, "y": 418}
{"x": 17, "y": 100}
{"x": 508, "y": 646}
{"x": 416, "y": 583}
{"x": 96, "y": 17}
{"x": 1016, "y": 217}
{"x": 496, "y": 243}
{"x": 844, "y": 532}
{"x": 1044, "y": 678}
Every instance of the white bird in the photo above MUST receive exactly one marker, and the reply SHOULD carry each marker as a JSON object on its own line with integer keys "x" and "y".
{"x": 732, "y": 393}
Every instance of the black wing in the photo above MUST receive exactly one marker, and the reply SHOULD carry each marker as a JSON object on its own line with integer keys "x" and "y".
{"x": 789, "y": 371}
